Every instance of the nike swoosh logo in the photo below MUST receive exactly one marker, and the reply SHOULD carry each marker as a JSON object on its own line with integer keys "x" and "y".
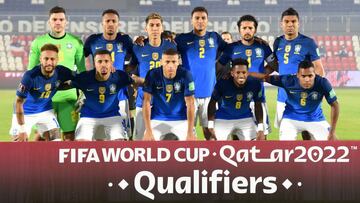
{"x": 36, "y": 88}
{"x": 292, "y": 92}
{"x": 159, "y": 88}
{"x": 144, "y": 55}
{"x": 98, "y": 47}
{"x": 188, "y": 43}
{"x": 279, "y": 49}
{"x": 227, "y": 97}
{"x": 237, "y": 53}
{"x": 89, "y": 90}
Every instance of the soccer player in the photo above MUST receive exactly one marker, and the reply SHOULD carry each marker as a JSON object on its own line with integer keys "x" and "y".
{"x": 33, "y": 102}
{"x": 120, "y": 45}
{"x": 148, "y": 57}
{"x": 198, "y": 50}
{"x": 303, "y": 112}
{"x": 171, "y": 90}
{"x": 290, "y": 49}
{"x": 101, "y": 87}
{"x": 234, "y": 116}
{"x": 71, "y": 56}
{"x": 254, "y": 51}
{"x": 227, "y": 37}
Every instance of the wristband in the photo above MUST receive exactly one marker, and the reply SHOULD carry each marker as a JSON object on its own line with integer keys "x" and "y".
{"x": 22, "y": 128}
{"x": 260, "y": 127}
{"x": 210, "y": 124}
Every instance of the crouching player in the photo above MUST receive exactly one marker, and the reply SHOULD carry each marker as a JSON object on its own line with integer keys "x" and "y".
{"x": 101, "y": 87}
{"x": 234, "y": 116}
{"x": 303, "y": 112}
{"x": 33, "y": 102}
{"x": 171, "y": 90}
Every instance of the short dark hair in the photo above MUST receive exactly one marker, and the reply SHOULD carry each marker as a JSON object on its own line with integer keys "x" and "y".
{"x": 49, "y": 47}
{"x": 199, "y": 9}
{"x": 102, "y": 52}
{"x": 306, "y": 64}
{"x": 290, "y": 12}
{"x": 247, "y": 18}
{"x": 110, "y": 11}
{"x": 170, "y": 52}
{"x": 57, "y": 9}
{"x": 239, "y": 62}
{"x": 226, "y": 33}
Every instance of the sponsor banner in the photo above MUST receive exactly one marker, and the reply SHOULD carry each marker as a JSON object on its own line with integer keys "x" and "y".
{"x": 179, "y": 171}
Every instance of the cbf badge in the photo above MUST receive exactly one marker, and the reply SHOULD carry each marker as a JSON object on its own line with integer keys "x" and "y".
{"x": 112, "y": 88}
{"x": 211, "y": 42}
{"x": 297, "y": 49}
{"x": 102, "y": 90}
{"x": 155, "y": 56}
{"x": 109, "y": 47}
{"x": 287, "y": 48}
{"x": 48, "y": 87}
{"x": 177, "y": 87}
{"x": 169, "y": 88}
{"x": 202, "y": 43}
{"x": 248, "y": 52}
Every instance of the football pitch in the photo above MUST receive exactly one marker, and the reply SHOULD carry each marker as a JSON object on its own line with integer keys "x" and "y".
{"x": 348, "y": 127}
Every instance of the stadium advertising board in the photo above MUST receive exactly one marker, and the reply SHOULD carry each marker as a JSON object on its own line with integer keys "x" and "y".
{"x": 184, "y": 171}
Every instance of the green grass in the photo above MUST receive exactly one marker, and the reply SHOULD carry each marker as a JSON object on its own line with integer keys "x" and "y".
{"x": 348, "y": 127}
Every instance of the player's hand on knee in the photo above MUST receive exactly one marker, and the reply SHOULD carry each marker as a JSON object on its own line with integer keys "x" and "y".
{"x": 191, "y": 136}
{"x": 260, "y": 135}
{"x": 22, "y": 137}
{"x": 332, "y": 136}
{"x": 148, "y": 136}
{"x": 212, "y": 134}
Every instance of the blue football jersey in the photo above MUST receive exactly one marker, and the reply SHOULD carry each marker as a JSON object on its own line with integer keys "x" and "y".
{"x": 148, "y": 57}
{"x": 38, "y": 90}
{"x": 290, "y": 53}
{"x": 199, "y": 55}
{"x": 256, "y": 54}
{"x": 235, "y": 101}
{"x": 304, "y": 104}
{"x": 168, "y": 95}
{"x": 120, "y": 49}
{"x": 101, "y": 96}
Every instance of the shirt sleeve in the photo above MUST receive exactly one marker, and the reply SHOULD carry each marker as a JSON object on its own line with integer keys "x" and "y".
{"x": 148, "y": 84}
{"x": 189, "y": 84}
{"x": 125, "y": 79}
{"x": 226, "y": 55}
{"x": 278, "y": 80}
{"x": 222, "y": 43}
{"x": 269, "y": 56}
{"x": 258, "y": 96}
{"x": 313, "y": 51}
{"x": 66, "y": 74}
{"x": 24, "y": 86}
{"x": 87, "y": 46}
{"x": 34, "y": 55}
{"x": 217, "y": 93}
{"x": 79, "y": 57}
{"x": 276, "y": 46}
{"x": 329, "y": 92}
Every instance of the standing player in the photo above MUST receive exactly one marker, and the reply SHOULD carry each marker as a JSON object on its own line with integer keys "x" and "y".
{"x": 148, "y": 57}
{"x": 118, "y": 44}
{"x": 33, "y": 103}
{"x": 198, "y": 50}
{"x": 101, "y": 88}
{"x": 255, "y": 52}
{"x": 290, "y": 49}
{"x": 303, "y": 112}
{"x": 234, "y": 117}
{"x": 71, "y": 56}
{"x": 171, "y": 90}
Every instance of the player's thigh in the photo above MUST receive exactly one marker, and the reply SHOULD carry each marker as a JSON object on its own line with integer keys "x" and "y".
{"x": 280, "y": 108}
{"x": 223, "y": 129}
{"x": 245, "y": 129}
{"x": 180, "y": 129}
{"x": 114, "y": 129}
{"x": 86, "y": 129}
{"x": 289, "y": 129}
{"x": 123, "y": 108}
{"x": 139, "y": 124}
{"x": 318, "y": 130}
{"x": 66, "y": 115}
{"x": 47, "y": 121}
{"x": 203, "y": 104}
{"x": 160, "y": 128}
